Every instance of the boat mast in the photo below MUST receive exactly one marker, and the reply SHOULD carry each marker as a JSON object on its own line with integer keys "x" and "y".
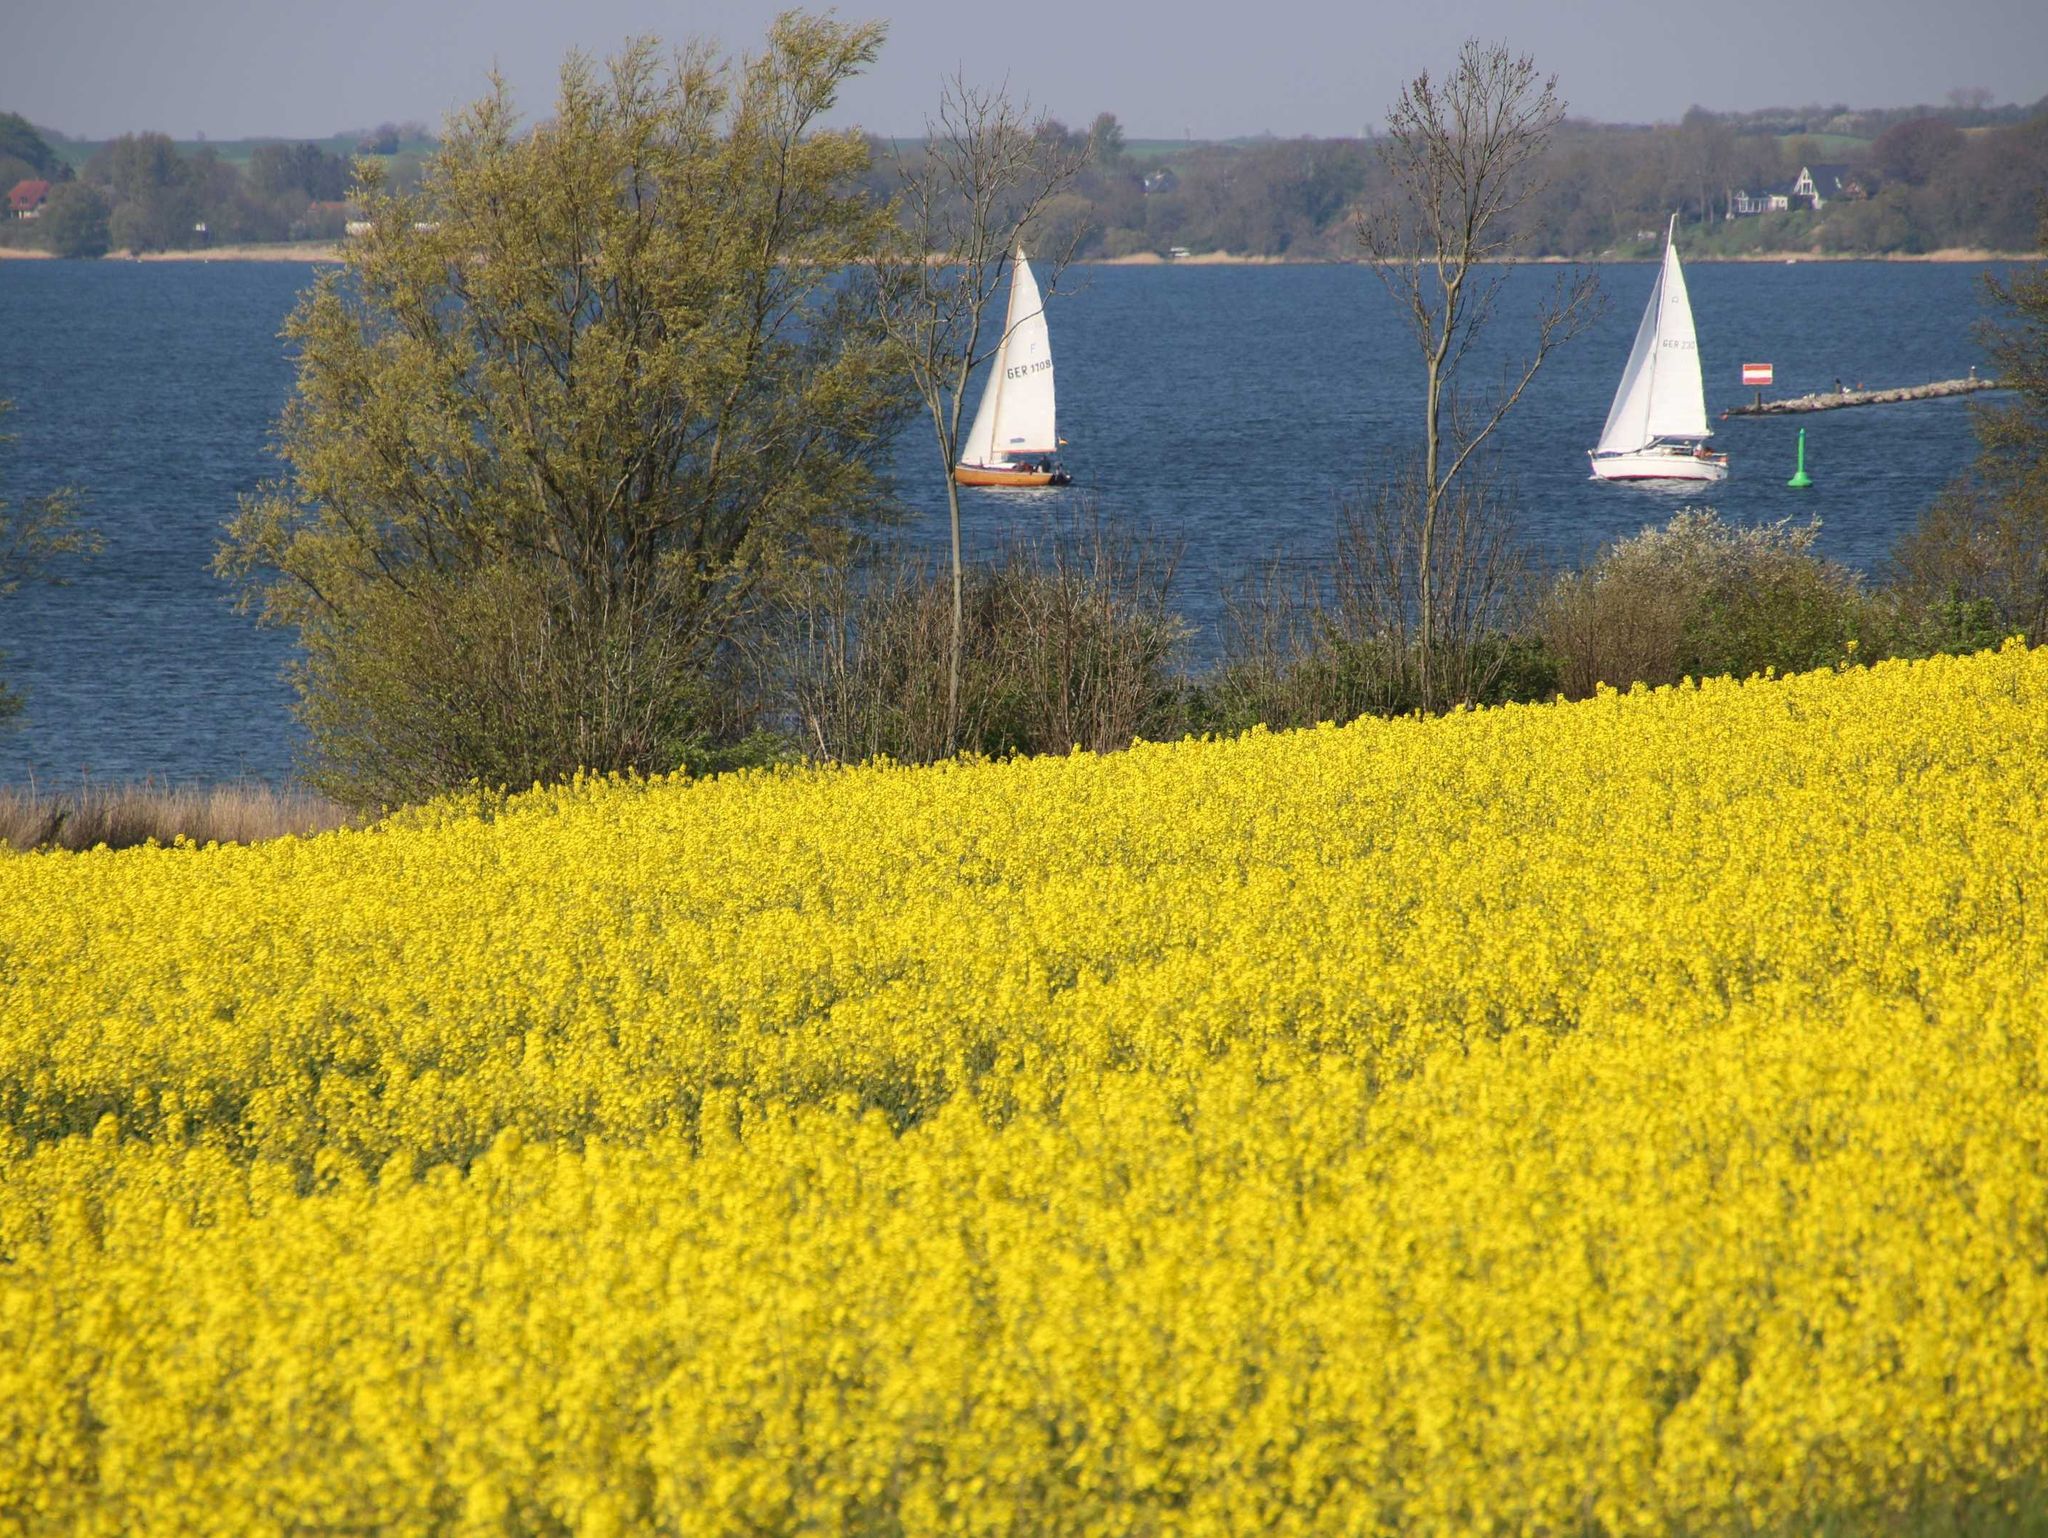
{"x": 1657, "y": 337}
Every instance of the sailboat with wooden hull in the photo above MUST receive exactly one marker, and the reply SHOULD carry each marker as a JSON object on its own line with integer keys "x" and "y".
{"x": 1657, "y": 427}
{"x": 1013, "y": 441}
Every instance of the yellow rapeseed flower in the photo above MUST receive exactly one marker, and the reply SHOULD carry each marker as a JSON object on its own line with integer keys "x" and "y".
{"x": 1614, "y": 1117}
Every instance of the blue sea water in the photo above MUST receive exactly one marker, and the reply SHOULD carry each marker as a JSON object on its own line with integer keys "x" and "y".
{"x": 1221, "y": 411}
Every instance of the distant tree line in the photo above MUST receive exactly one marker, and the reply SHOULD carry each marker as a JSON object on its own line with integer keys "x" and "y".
{"x": 390, "y": 138}
{"x": 1922, "y": 183}
{"x": 1969, "y": 175}
{"x": 144, "y": 192}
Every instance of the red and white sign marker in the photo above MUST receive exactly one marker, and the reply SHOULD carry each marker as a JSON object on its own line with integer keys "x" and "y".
{"x": 1756, "y": 373}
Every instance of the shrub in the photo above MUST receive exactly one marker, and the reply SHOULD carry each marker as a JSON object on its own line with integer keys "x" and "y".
{"x": 1983, "y": 543}
{"x": 496, "y": 677}
{"x": 1340, "y": 679}
{"x": 1123, "y": 241}
{"x": 1700, "y": 598}
{"x": 1069, "y": 643}
{"x": 1341, "y": 640}
{"x": 1986, "y": 536}
{"x": 1951, "y": 625}
{"x": 74, "y": 221}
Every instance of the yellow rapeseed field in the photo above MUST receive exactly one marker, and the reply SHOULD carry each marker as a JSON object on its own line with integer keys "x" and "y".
{"x": 1621, "y": 1117}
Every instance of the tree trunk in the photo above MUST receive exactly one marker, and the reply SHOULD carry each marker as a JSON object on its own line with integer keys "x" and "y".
{"x": 1422, "y": 553}
{"x": 953, "y": 648}
{"x": 1432, "y": 494}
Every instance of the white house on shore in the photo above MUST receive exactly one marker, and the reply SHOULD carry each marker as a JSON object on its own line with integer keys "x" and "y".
{"x": 1745, "y": 205}
{"x": 1818, "y": 186}
{"x": 1813, "y": 188}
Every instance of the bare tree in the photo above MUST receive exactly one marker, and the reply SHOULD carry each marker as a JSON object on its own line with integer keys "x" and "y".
{"x": 1470, "y": 564}
{"x": 974, "y": 191}
{"x": 1463, "y": 161}
{"x": 1332, "y": 637}
{"x": 1706, "y": 147}
{"x": 1071, "y": 641}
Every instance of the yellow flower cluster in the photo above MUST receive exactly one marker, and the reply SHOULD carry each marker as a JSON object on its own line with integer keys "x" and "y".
{"x": 1616, "y": 1117}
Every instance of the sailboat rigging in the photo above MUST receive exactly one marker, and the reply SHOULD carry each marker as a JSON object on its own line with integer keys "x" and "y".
{"x": 1013, "y": 441}
{"x": 1657, "y": 427}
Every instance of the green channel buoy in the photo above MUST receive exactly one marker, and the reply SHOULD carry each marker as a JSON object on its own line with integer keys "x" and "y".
{"x": 1799, "y": 476}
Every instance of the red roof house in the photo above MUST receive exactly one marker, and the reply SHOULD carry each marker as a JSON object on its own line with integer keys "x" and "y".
{"x": 26, "y": 200}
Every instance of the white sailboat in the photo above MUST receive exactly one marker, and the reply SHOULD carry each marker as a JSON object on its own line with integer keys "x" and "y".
{"x": 1013, "y": 441}
{"x": 1657, "y": 427}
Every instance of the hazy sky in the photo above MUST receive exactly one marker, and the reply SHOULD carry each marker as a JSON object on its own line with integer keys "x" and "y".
{"x": 1210, "y": 68}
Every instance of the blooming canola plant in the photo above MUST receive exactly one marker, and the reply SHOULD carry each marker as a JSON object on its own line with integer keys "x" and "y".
{"x": 1620, "y": 1116}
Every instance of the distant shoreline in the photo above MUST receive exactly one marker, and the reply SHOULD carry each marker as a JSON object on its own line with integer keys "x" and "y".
{"x": 327, "y": 252}
{"x": 288, "y": 251}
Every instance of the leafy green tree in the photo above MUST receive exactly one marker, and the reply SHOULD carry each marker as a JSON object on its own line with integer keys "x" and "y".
{"x": 19, "y": 141}
{"x": 1914, "y": 151}
{"x": 304, "y": 171}
{"x": 391, "y": 138}
{"x": 1106, "y": 137}
{"x": 1706, "y": 150}
{"x": 1990, "y": 191}
{"x": 576, "y": 412}
{"x": 1986, "y": 536}
{"x": 281, "y": 184}
{"x": 39, "y": 540}
{"x": 149, "y": 187}
{"x": 220, "y": 200}
{"x": 74, "y": 221}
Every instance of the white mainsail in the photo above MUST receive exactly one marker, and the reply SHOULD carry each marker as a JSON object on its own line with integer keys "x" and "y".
{"x": 1661, "y": 394}
{"x": 1016, "y": 411}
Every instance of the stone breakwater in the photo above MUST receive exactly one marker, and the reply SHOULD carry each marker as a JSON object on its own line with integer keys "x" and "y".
{"x": 1834, "y": 399}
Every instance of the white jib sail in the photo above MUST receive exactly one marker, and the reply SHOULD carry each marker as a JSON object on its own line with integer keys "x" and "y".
{"x": 1661, "y": 393}
{"x": 1016, "y": 411}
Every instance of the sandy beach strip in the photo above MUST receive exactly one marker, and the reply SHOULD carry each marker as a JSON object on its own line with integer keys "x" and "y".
{"x": 327, "y": 251}
{"x": 291, "y": 251}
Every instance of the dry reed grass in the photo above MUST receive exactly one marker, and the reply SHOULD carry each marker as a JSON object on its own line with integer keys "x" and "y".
{"x": 123, "y": 816}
